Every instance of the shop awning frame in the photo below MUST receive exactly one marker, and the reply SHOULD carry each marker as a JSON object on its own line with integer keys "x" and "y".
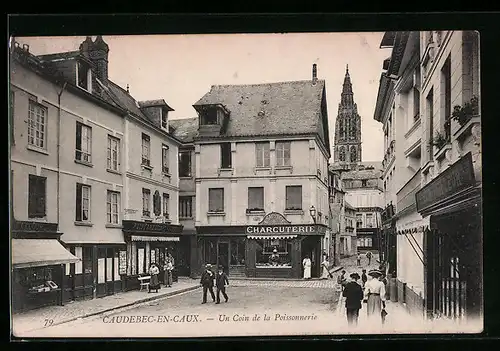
{"x": 28, "y": 253}
{"x": 154, "y": 238}
{"x": 271, "y": 236}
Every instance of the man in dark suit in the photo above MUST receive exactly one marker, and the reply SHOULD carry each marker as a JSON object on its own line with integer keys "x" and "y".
{"x": 354, "y": 295}
{"x": 207, "y": 282}
{"x": 221, "y": 281}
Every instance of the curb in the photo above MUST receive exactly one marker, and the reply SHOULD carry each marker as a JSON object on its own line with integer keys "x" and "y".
{"x": 152, "y": 298}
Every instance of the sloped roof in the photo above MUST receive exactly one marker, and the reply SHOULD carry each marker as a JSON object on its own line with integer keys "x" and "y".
{"x": 59, "y": 56}
{"x": 361, "y": 174}
{"x": 185, "y": 129}
{"x": 349, "y": 206}
{"x": 151, "y": 103}
{"x": 270, "y": 109}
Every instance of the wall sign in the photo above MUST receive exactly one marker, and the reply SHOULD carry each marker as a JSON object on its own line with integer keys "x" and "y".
{"x": 22, "y": 226}
{"x": 123, "y": 263}
{"x": 281, "y": 229}
{"x": 457, "y": 177}
{"x": 136, "y": 226}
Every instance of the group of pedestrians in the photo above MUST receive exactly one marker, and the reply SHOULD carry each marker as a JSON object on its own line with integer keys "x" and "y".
{"x": 154, "y": 272}
{"x": 370, "y": 292}
{"x": 209, "y": 279}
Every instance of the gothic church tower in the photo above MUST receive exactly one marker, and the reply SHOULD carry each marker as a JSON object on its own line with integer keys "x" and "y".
{"x": 347, "y": 147}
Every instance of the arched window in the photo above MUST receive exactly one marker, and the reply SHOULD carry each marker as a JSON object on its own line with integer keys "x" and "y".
{"x": 342, "y": 154}
{"x": 354, "y": 155}
{"x": 353, "y": 131}
{"x": 341, "y": 128}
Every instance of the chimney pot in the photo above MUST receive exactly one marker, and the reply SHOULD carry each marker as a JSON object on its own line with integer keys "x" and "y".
{"x": 315, "y": 73}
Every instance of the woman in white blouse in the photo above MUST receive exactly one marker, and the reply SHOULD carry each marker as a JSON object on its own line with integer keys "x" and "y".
{"x": 374, "y": 294}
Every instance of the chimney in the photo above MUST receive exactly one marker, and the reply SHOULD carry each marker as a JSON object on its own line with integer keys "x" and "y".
{"x": 315, "y": 74}
{"x": 97, "y": 51}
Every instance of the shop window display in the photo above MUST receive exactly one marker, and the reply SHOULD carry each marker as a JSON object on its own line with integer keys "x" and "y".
{"x": 273, "y": 253}
{"x": 37, "y": 279}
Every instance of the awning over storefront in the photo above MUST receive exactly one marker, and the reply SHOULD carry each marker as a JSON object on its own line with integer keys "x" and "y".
{"x": 273, "y": 237}
{"x": 39, "y": 252}
{"x": 154, "y": 238}
{"x": 413, "y": 226}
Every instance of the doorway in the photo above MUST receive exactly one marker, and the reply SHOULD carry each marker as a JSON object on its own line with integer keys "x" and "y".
{"x": 223, "y": 255}
{"x": 311, "y": 247}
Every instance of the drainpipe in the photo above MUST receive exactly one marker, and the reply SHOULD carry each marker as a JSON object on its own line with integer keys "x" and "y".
{"x": 61, "y": 298}
{"x": 59, "y": 149}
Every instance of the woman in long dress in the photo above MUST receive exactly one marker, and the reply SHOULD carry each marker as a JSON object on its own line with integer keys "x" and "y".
{"x": 306, "y": 263}
{"x": 154, "y": 283}
{"x": 325, "y": 264}
{"x": 374, "y": 295}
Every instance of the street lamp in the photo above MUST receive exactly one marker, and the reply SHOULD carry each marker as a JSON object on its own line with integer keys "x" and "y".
{"x": 312, "y": 212}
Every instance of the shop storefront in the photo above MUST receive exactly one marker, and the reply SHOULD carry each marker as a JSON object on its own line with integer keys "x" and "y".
{"x": 38, "y": 260}
{"x": 148, "y": 243}
{"x": 273, "y": 248}
{"x": 453, "y": 245}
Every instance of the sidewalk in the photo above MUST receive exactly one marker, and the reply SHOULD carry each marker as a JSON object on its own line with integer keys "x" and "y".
{"x": 53, "y": 315}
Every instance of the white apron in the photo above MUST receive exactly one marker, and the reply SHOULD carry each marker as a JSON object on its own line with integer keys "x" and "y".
{"x": 306, "y": 263}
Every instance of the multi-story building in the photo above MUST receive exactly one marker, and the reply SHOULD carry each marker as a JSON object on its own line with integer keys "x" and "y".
{"x": 348, "y": 242}
{"x": 364, "y": 193}
{"x": 337, "y": 216}
{"x": 186, "y": 130}
{"x": 261, "y": 155}
{"x": 88, "y": 132}
{"x": 429, "y": 94}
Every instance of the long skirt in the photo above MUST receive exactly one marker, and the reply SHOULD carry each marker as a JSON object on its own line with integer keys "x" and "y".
{"x": 307, "y": 272}
{"x": 374, "y": 306}
{"x": 154, "y": 284}
{"x": 325, "y": 273}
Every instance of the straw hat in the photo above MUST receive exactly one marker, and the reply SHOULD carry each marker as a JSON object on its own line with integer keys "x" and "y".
{"x": 375, "y": 273}
{"x": 208, "y": 265}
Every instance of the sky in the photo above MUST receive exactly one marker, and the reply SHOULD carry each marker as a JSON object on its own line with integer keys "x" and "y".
{"x": 181, "y": 68}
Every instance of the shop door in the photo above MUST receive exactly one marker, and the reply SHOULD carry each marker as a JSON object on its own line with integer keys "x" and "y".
{"x": 223, "y": 256}
{"x": 237, "y": 257}
{"x": 110, "y": 269}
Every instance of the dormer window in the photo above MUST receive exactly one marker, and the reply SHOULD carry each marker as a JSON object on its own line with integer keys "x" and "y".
{"x": 212, "y": 116}
{"x": 84, "y": 76}
{"x": 164, "y": 119}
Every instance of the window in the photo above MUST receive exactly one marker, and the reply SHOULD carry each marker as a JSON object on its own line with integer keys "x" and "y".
{"x": 113, "y": 205}
{"x": 164, "y": 159}
{"x": 157, "y": 203}
{"x": 146, "y": 200}
{"x": 166, "y": 201}
{"x": 416, "y": 104}
{"x": 82, "y": 203}
{"x": 146, "y": 150}
{"x": 359, "y": 220}
{"x": 36, "y": 196}
{"x": 263, "y": 154}
{"x": 185, "y": 164}
{"x": 84, "y": 76}
{"x": 37, "y": 125}
{"x": 225, "y": 155}
{"x": 430, "y": 115}
{"x": 164, "y": 119}
{"x": 216, "y": 200}
{"x": 265, "y": 249}
{"x": 446, "y": 106}
{"x": 237, "y": 254}
{"x": 113, "y": 153}
{"x": 364, "y": 183}
{"x": 186, "y": 207}
{"x": 256, "y": 199}
{"x": 211, "y": 116}
{"x": 365, "y": 242}
{"x": 342, "y": 154}
{"x": 354, "y": 156}
{"x": 210, "y": 251}
{"x": 283, "y": 153}
{"x": 369, "y": 220}
{"x": 83, "y": 150}
{"x": 294, "y": 197}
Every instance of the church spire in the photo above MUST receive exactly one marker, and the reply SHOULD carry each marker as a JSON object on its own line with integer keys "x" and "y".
{"x": 347, "y": 95}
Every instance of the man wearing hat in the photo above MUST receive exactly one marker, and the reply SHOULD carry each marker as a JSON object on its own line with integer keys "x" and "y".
{"x": 374, "y": 294}
{"x": 207, "y": 282}
{"x": 353, "y": 294}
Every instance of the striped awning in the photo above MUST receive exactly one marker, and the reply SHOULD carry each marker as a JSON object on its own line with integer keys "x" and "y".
{"x": 154, "y": 238}
{"x": 271, "y": 236}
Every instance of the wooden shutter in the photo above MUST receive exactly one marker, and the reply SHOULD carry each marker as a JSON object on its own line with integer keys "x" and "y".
{"x": 256, "y": 198}
{"x": 78, "y": 204}
{"x": 294, "y": 197}
{"x": 216, "y": 200}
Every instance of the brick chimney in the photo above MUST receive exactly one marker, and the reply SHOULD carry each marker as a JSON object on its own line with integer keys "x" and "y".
{"x": 315, "y": 74}
{"x": 97, "y": 51}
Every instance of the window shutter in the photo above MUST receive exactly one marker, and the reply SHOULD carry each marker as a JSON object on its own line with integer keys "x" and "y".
{"x": 41, "y": 196}
{"x": 78, "y": 145}
{"x": 259, "y": 155}
{"x": 78, "y": 204}
{"x": 267, "y": 156}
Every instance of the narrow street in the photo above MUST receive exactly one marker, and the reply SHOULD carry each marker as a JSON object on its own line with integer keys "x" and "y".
{"x": 254, "y": 308}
